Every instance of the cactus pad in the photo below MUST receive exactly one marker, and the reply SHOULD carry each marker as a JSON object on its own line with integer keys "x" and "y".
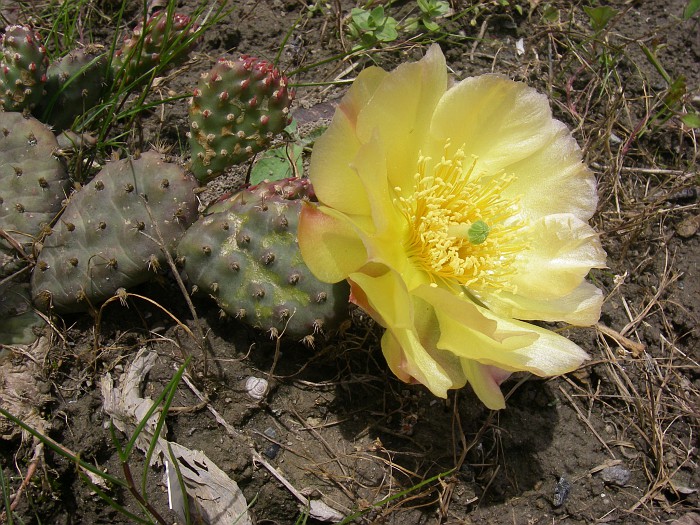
{"x": 238, "y": 106}
{"x": 23, "y": 64}
{"x": 149, "y": 44}
{"x": 75, "y": 83}
{"x": 33, "y": 181}
{"x": 245, "y": 255}
{"x": 106, "y": 240}
{"x": 18, "y": 320}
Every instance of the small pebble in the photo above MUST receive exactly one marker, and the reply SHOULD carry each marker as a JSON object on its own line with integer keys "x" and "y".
{"x": 272, "y": 449}
{"x": 688, "y": 227}
{"x": 561, "y": 492}
{"x": 615, "y": 475}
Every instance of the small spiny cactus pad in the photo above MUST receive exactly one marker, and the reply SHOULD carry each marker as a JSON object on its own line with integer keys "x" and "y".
{"x": 245, "y": 255}
{"x": 106, "y": 239}
{"x": 149, "y": 44}
{"x": 75, "y": 84}
{"x": 237, "y": 108}
{"x": 23, "y": 64}
{"x": 33, "y": 181}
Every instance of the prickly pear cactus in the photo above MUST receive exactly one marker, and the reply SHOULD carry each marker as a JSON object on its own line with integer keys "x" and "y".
{"x": 33, "y": 181}
{"x": 22, "y": 69}
{"x": 75, "y": 83}
{"x": 145, "y": 47}
{"x": 235, "y": 111}
{"x": 106, "y": 240}
{"x": 19, "y": 323}
{"x": 245, "y": 255}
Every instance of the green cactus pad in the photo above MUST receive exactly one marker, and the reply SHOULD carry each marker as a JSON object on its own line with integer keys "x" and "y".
{"x": 19, "y": 322}
{"x": 149, "y": 44}
{"x": 106, "y": 240}
{"x": 245, "y": 255}
{"x": 22, "y": 69}
{"x": 75, "y": 84}
{"x": 33, "y": 181}
{"x": 235, "y": 111}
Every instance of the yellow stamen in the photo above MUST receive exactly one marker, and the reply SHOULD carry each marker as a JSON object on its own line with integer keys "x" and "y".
{"x": 461, "y": 228}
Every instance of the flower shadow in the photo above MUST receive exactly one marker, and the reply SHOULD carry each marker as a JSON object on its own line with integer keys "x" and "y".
{"x": 413, "y": 436}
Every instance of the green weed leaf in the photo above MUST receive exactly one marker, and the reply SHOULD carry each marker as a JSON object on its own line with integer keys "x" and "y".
{"x": 600, "y": 16}
{"x": 692, "y": 120}
{"x": 550, "y": 13}
{"x": 692, "y": 7}
{"x": 277, "y": 164}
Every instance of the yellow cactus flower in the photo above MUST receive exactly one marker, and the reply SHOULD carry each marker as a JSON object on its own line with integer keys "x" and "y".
{"x": 457, "y": 213}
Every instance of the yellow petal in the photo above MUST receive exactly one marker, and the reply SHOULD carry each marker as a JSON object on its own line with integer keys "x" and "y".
{"x": 335, "y": 182}
{"x": 387, "y": 295}
{"x": 513, "y": 346}
{"x": 329, "y": 245}
{"x": 562, "y": 250}
{"x": 400, "y": 111}
{"x": 484, "y": 384}
{"x": 409, "y": 360}
{"x": 554, "y": 180}
{"x": 498, "y": 120}
{"x": 361, "y": 92}
{"x": 370, "y": 166}
{"x": 409, "y": 344}
{"x": 581, "y": 307}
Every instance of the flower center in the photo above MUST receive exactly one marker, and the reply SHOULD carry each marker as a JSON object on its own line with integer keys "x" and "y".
{"x": 461, "y": 227}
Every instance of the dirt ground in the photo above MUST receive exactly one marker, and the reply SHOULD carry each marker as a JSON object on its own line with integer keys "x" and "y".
{"x": 615, "y": 442}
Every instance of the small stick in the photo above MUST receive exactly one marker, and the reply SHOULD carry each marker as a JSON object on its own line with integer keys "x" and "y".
{"x": 257, "y": 458}
{"x": 38, "y": 454}
{"x": 219, "y": 419}
{"x": 636, "y": 348}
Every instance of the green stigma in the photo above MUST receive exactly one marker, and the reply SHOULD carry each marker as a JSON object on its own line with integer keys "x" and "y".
{"x": 478, "y": 232}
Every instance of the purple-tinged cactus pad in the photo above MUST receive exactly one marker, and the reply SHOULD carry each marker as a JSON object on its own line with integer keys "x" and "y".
{"x": 33, "y": 181}
{"x": 146, "y": 46}
{"x": 75, "y": 84}
{"x": 23, "y": 64}
{"x": 106, "y": 240}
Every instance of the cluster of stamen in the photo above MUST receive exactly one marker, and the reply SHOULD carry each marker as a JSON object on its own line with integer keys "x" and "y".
{"x": 462, "y": 230}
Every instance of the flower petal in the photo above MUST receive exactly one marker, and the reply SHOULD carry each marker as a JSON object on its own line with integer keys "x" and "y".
{"x": 370, "y": 166}
{"x": 329, "y": 245}
{"x": 408, "y": 359}
{"x": 409, "y": 343}
{"x": 581, "y": 307}
{"x": 335, "y": 182}
{"x": 496, "y": 119}
{"x": 484, "y": 381}
{"x": 562, "y": 251}
{"x": 400, "y": 110}
{"x": 386, "y": 294}
{"x": 514, "y": 346}
{"x": 553, "y": 179}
